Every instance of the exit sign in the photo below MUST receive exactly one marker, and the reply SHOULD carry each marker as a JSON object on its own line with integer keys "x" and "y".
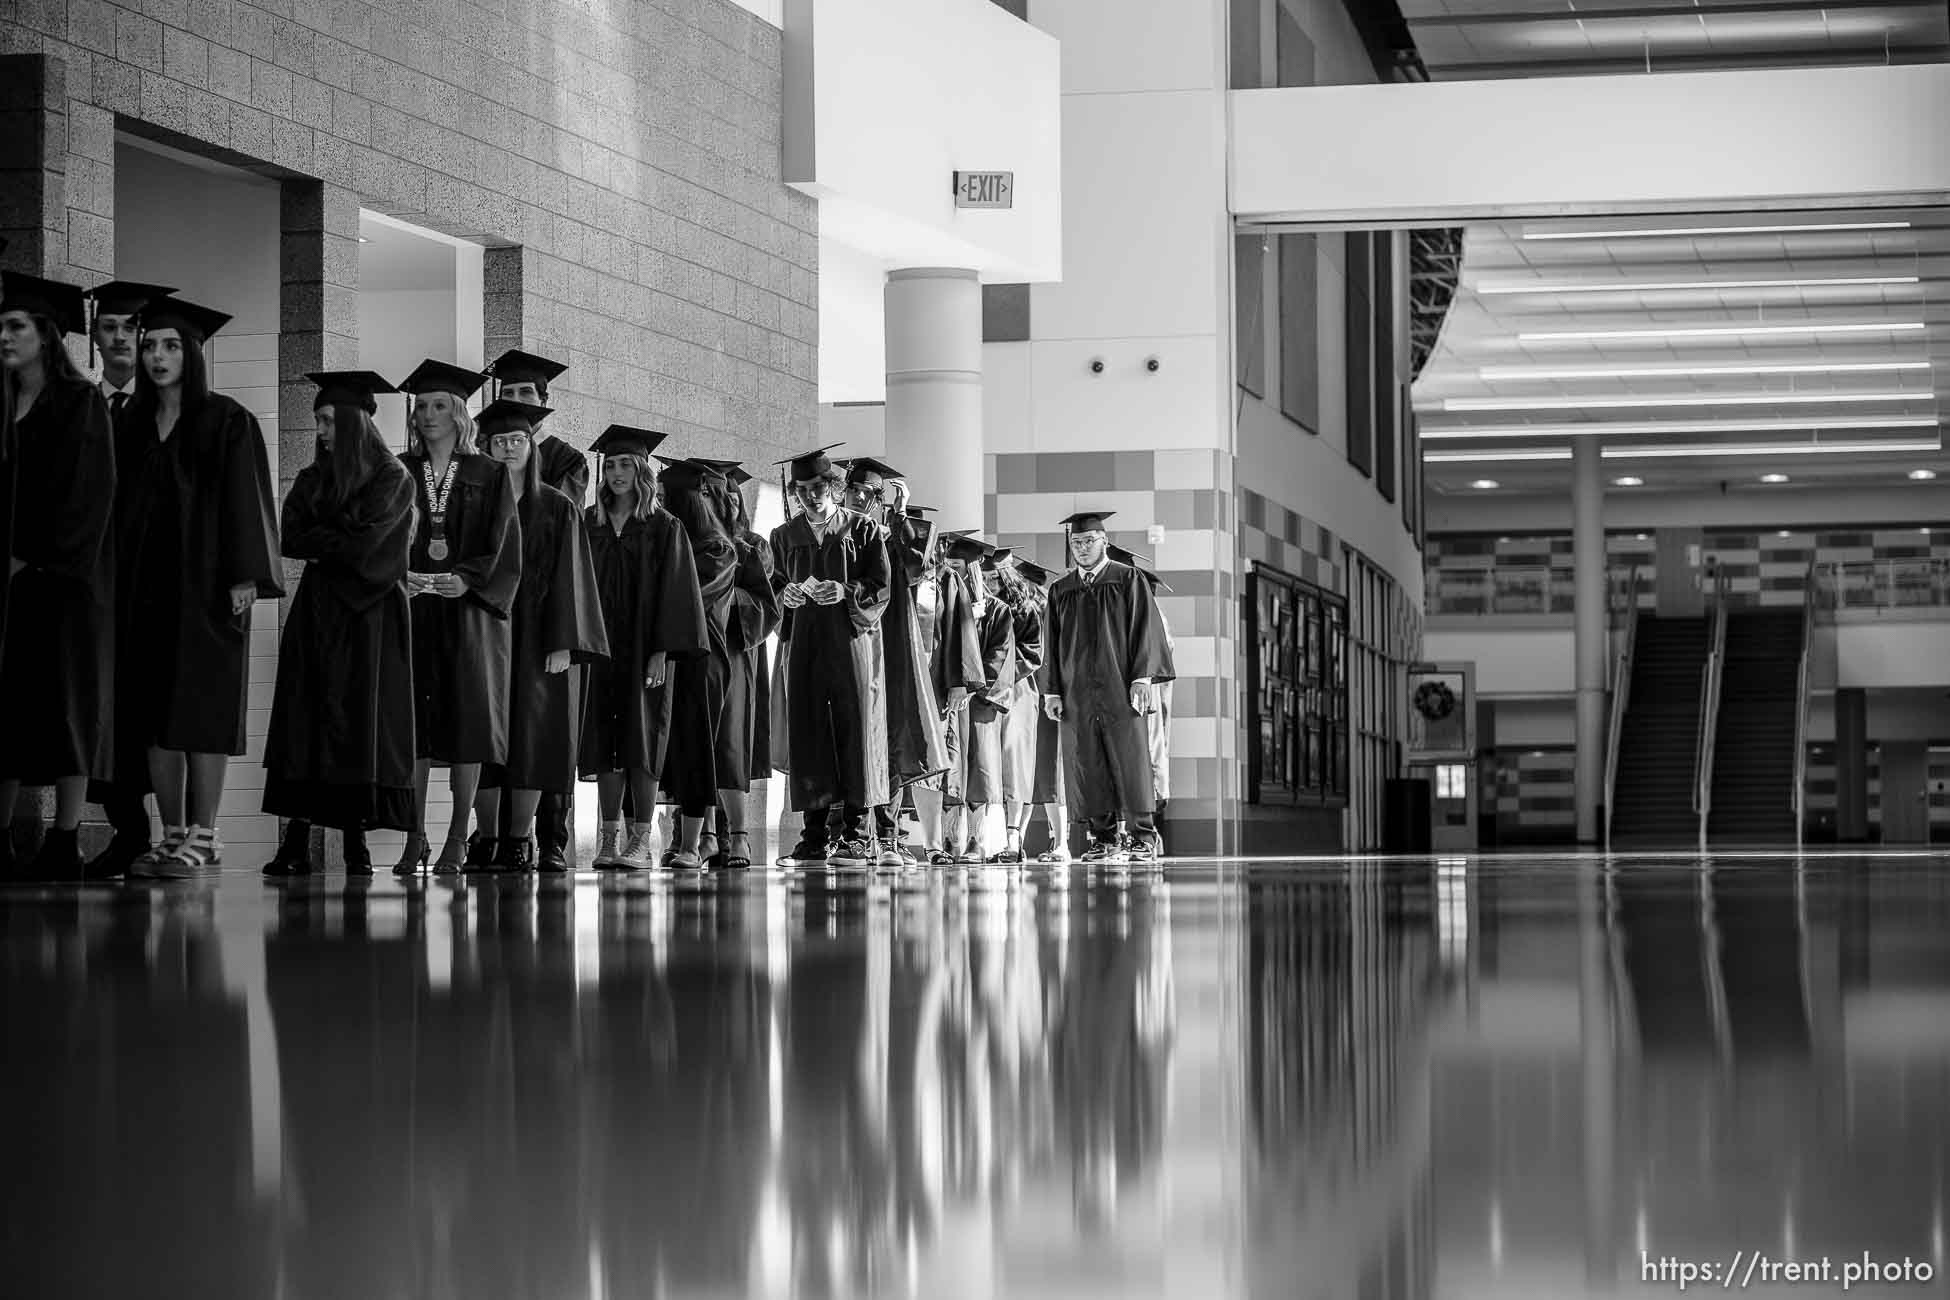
{"x": 985, "y": 189}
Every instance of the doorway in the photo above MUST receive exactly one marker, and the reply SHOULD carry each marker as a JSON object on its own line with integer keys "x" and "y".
{"x": 1905, "y": 792}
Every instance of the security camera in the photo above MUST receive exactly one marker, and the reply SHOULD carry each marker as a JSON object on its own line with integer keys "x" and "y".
{"x": 1096, "y": 365}
{"x": 1152, "y": 364}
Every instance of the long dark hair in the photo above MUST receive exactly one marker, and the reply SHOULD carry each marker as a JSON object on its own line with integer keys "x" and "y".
{"x": 357, "y": 451}
{"x": 698, "y": 508}
{"x": 1017, "y": 592}
{"x": 196, "y": 379}
{"x": 58, "y": 366}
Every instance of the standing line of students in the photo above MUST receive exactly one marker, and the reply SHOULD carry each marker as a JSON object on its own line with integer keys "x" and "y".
{"x": 457, "y": 608}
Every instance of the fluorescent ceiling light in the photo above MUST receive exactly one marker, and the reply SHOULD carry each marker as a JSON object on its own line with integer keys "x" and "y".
{"x": 1652, "y": 428}
{"x": 1629, "y": 481}
{"x": 1684, "y": 450}
{"x": 1773, "y": 478}
{"x": 1718, "y": 332}
{"x": 1679, "y": 372}
{"x": 1703, "y": 231}
{"x": 1675, "y": 399}
{"x": 1485, "y": 484}
{"x": 1922, "y": 475}
{"x": 1688, "y": 286}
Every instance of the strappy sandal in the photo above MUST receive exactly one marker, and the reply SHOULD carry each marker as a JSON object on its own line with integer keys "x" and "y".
{"x": 453, "y": 857}
{"x": 199, "y": 854}
{"x": 729, "y": 861}
{"x": 941, "y": 858}
{"x": 413, "y": 857}
{"x": 1009, "y": 857}
{"x": 1054, "y": 856}
{"x": 145, "y": 866}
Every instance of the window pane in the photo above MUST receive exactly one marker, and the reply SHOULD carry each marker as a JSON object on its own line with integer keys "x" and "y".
{"x": 1245, "y": 44}
{"x": 1360, "y": 350}
{"x": 1300, "y": 330}
{"x": 1249, "y": 314}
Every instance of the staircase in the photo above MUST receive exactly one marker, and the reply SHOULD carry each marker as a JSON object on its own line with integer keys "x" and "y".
{"x": 1652, "y": 795}
{"x": 1753, "y": 758}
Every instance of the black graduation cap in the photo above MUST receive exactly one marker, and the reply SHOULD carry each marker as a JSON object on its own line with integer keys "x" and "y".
{"x": 432, "y": 376}
{"x": 919, "y": 512}
{"x": 683, "y": 472}
{"x": 187, "y": 318}
{"x": 622, "y": 440}
{"x": 1030, "y": 571}
{"x": 960, "y": 546}
{"x": 1124, "y": 556}
{"x": 126, "y": 297}
{"x": 504, "y": 414}
{"x": 810, "y": 464}
{"x": 867, "y": 470}
{"x": 57, "y": 300}
{"x": 517, "y": 367}
{"x": 730, "y": 469}
{"x": 1087, "y": 521}
{"x": 349, "y": 388}
{"x": 998, "y": 556}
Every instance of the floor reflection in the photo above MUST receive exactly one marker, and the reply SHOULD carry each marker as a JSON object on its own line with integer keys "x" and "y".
{"x": 1456, "y": 1078}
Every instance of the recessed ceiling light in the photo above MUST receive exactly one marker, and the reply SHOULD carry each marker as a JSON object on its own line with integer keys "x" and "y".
{"x": 1703, "y": 231}
{"x": 1922, "y": 475}
{"x": 1485, "y": 484}
{"x": 1644, "y": 537}
{"x": 1718, "y": 331}
{"x": 1680, "y": 372}
{"x": 1924, "y": 531}
{"x": 1687, "y": 286}
{"x": 1773, "y": 478}
{"x": 1653, "y": 428}
{"x": 1629, "y": 481}
{"x": 1628, "y": 402}
{"x": 1783, "y": 533}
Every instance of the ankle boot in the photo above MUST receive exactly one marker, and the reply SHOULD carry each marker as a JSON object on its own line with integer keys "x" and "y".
{"x": 358, "y": 858}
{"x": 294, "y": 851}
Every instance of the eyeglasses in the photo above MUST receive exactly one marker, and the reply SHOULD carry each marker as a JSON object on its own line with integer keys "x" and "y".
{"x": 507, "y": 441}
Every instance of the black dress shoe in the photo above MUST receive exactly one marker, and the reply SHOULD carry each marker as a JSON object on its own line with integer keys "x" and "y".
{"x": 516, "y": 855}
{"x": 483, "y": 853}
{"x": 114, "y": 861}
{"x": 553, "y": 858}
{"x": 294, "y": 852}
{"x": 358, "y": 858}
{"x": 60, "y": 856}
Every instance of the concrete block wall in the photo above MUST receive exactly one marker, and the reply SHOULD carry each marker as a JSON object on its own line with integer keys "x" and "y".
{"x": 630, "y": 152}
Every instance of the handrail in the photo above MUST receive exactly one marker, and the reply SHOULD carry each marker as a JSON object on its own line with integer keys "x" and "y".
{"x": 1621, "y": 690}
{"x": 1801, "y": 693}
{"x": 1709, "y": 708}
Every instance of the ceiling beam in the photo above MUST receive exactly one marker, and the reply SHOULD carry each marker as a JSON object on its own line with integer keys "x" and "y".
{"x": 1639, "y": 13}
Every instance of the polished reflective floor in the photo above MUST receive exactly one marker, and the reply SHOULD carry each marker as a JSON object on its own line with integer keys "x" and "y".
{"x": 1506, "y": 1077}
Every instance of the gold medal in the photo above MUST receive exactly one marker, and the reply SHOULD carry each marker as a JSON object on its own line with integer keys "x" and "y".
{"x": 437, "y": 548}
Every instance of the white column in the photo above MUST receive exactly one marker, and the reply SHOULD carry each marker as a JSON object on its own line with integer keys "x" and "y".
{"x": 1592, "y": 635}
{"x": 934, "y": 390}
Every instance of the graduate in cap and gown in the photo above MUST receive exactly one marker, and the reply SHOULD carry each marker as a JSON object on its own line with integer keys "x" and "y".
{"x": 340, "y": 749}
{"x": 196, "y": 520}
{"x": 524, "y": 377}
{"x": 975, "y": 725}
{"x": 916, "y": 747}
{"x": 57, "y": 626}
{"x": 653, "y": 614}
{"x": 1019, "y": 588}
{"x": 114, "y": 333}
{"x": 462, "y": 577}
{"x": 1158, "y": 721}
{"x": 744, "y": 745}
{"x": 957, "y": 669}
{"x": 831, "y": 571}
{"x": 694, "y": 494}
{"x": 1103, "y": 652}
{"x": 1047, "y": 786}
{"x": 557, "y": 629}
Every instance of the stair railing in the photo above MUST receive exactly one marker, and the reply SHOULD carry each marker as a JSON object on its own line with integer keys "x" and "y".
{"x": 1801, "y": 700}
{"x": 1709, "y": 708}
{"x": 1621, "y": 690}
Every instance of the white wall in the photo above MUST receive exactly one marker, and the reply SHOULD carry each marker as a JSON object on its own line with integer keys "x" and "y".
{"x": 886, "y": 99}
{"x": 1509, "y": 661}
{"x": 852, "y": 329}
{"x": 213, "y": 233}
{"x": 1891, "y": 654}
{"x": 1700, "y": 141}
{"x": 398, "y": 329}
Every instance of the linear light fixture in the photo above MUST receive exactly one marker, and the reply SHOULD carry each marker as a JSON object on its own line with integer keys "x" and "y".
{"x": 1673, "y": 399}
{"x": 1720, "y": 332}
{"x": 1645, "y": 428}
{"x": 1808, "y": 228}
{"x": 1685, "y": 372}
{"x": 1684, "y": 451}
{"x": 1504, "y": 288}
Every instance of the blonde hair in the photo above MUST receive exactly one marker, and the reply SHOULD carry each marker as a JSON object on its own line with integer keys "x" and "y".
{"x": 463, "y": 430}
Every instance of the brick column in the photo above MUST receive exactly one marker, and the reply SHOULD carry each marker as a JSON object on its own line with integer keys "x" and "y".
{"x": 318, "y": 323}
{"x": 57, "y": 174}
{"x": 502, "y": 299}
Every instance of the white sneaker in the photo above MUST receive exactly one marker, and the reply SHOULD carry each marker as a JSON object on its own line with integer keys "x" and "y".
{"x": 639, "y": 851}
{"x": 608, "y": 845}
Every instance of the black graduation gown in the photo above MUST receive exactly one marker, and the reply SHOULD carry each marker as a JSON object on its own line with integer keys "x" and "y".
{"x": 979, "y": 722}
{"x": 835, "y": 697}
{"x": 197, "y": 516}
{"x": 463, "y": 649}
{"x": 690, "y": 775}
{"x": 647, "y": 581}
{"x": 57, "y": 669}
{"x": 915, "y": 745}
{"x": 556, "y": 608}
{"x": 743, "y": 736}
{"x": 340, "y": 749}
{"x": 564, "y": 468}
{"x": 1025, "y": 707}
{"x": 1098, "y": 639}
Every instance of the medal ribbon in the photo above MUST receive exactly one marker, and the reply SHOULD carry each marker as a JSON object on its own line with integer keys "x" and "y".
{"x": 437, "y": 495}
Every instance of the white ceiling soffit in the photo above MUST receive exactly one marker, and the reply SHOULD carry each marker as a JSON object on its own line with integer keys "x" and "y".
{"x": 1696, "y": 350}
{"x": 1476, "y": 40}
